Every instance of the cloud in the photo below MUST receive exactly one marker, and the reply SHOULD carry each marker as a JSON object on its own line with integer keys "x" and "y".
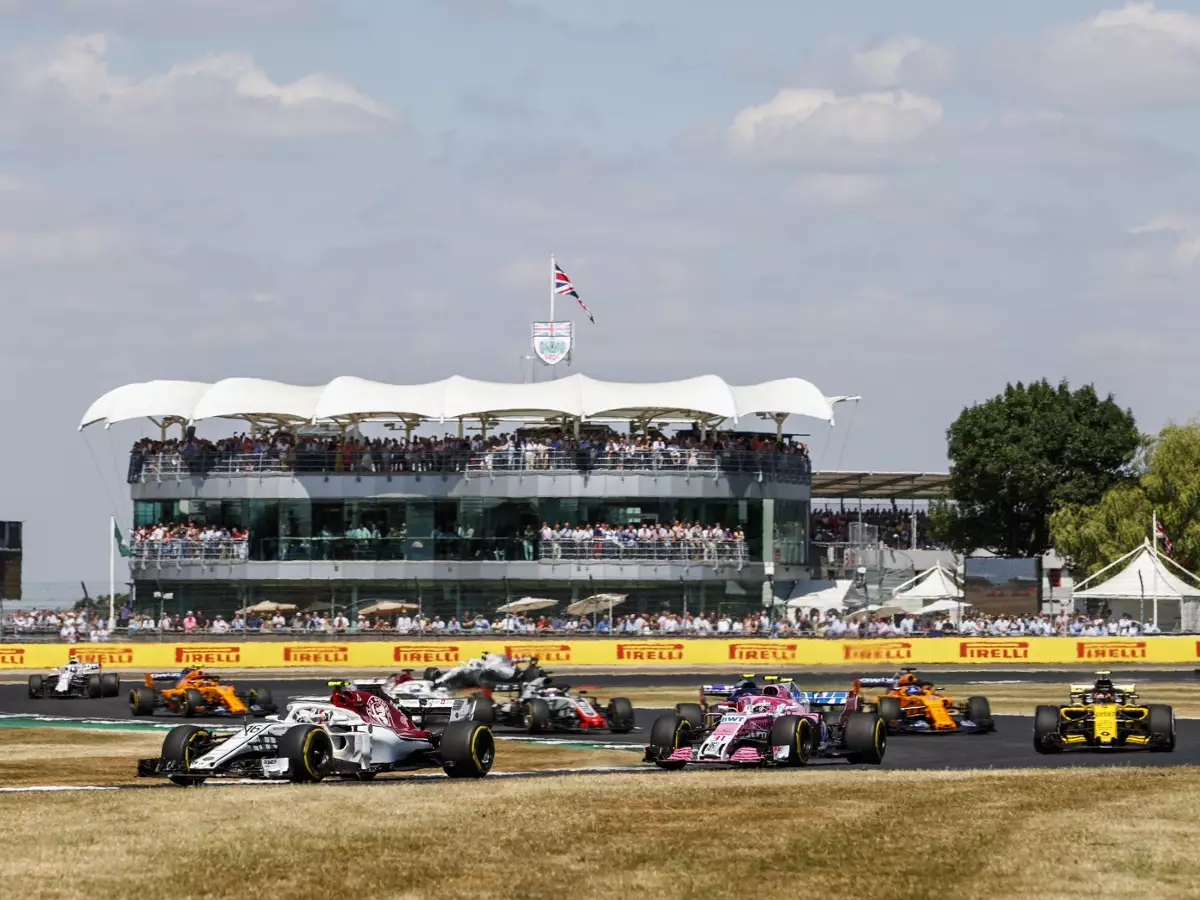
{"x": 899, "y": 62}
{"x": 837, "y": 190}
{"x": 1135, "y": 56}
{"x": 1174, "y": 236}
{"x": 72, "y": 90}
{"x": 808, "y": 123}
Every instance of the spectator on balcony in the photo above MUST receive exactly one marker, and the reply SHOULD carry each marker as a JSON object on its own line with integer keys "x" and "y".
{"x": 220, "y": 626}
{"x": 189, "y": 623}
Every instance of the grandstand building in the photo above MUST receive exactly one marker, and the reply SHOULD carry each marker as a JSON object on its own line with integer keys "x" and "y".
{"x": 10, "y": 560}
{"x": 564, "y": 489}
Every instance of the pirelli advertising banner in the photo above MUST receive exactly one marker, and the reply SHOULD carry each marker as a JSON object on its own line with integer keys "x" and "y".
{"x": 640, "y": 654}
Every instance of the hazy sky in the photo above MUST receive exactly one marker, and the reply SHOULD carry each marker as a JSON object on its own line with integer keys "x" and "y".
{"x": 916, "y": 202}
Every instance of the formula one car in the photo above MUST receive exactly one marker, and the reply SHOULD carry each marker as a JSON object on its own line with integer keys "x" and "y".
{"x": 775, "y": 725}
{"x": 353, "y": 734}
{"x": 75, "y": 679}
{"x": 911, "y": 705}
{"x": 194, "y": 692}
{"x": 428, "y": 705}
{"x": 1104, "y": 716}
{"x": 534, "y": 703}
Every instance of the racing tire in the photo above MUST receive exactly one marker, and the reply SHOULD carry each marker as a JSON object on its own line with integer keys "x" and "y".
{"x": 1045, "y": 726}
{"x": 889, "y": 709}
{"x": 667, "y": 735}
{"x": 1161, "y": 720}
{"x": 309, "y": 752}
{"x": 468, "y": 749}
{"x": 795, "y": 733}
{"x": 110, "y": 684}
{"x": 183, "y": 744}
{"x": 485, "y": 711}
{"x": 621, "y": 717}
{"x": 193, "y": 703}
{"x": 143, "y": 701}
{"x": 37, "y": 684}
{"x": 979, "y": 711}
{"x": 692, "y": 713}
{"x": 261, "y": 697}
{"x": 431, "y": 673}
{"x": 94, "y": 689}
{"x": 535, "y": 715}
{"x": 865, "y": 739}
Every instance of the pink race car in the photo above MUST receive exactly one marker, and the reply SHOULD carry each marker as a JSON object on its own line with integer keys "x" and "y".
{"x": 775, "y": 725}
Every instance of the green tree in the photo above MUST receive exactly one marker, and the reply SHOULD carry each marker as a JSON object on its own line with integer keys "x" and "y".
{"x": 1024, "y": 454}
{"x": 1167, "y": 483}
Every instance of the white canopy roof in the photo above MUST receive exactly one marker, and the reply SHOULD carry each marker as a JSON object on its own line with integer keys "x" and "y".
{"x": 828, "y": 598}
{"x": 350, "y": 398}
{"x": 932, "y": 584}
{"x": 1144, "y": 575}
{"x": 940, "y": 606}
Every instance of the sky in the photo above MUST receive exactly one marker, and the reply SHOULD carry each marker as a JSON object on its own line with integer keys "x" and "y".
{"x": 913, "y": 202}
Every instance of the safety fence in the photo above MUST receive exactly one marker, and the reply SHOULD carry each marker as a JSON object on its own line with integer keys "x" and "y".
{"x": 734, "y": 655}
{"x": 776, "y": 466}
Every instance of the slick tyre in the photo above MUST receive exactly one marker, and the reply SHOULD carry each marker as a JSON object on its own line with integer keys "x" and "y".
{"x": 667, "y": 735}
{"x": 535, "y": 715}
{"x": 692, "y": 713}
{"x": 182, "y": 746}
{"x": 1161, "y": 722}
{"x": 979, "y": 711}
{"x": 431, "y": 673}
{"x": 889, "y": 709}
{"x": 262, "y": 697}
{"x": 485, "y": 711}
{"x": 37, "y": 684}
{"x": 143, "y": 701}
{"x": 865, "y": 739}
{"x": 309, "y": 753}
{"x": 796, "y": 733}
{"x": 193, "y": 703}
{"x": 110, "y": 684}
{"x": 468, "y": 749}
{"x": 620, "y": 716}
{"x": 1045, "y": 730}
{"x": 94, "y": 689}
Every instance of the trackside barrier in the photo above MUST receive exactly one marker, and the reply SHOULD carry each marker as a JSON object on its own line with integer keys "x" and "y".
{"x": 636, "y": 654}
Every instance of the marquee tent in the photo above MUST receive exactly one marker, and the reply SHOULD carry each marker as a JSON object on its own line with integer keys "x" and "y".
{"x": 933, "y": 584}
{"x": 1144, "y": 577}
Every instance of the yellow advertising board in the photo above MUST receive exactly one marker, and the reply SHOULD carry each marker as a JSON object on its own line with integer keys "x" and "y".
{"x": 634, "y": 654}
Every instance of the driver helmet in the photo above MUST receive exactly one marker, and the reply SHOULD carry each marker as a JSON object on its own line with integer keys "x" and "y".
{"x": 913, "y": 689}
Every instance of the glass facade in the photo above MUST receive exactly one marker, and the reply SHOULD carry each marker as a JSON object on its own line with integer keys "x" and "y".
{"x": 480, "y": 529}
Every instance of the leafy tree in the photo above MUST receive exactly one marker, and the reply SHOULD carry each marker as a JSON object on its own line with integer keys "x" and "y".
{"x": 1020, "y": 456}
{"x": 1168, "y": 482}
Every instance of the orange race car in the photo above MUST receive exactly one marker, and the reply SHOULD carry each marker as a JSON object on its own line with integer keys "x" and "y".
{"x": 913, "y": 705}
{"x": 193, "y": 692}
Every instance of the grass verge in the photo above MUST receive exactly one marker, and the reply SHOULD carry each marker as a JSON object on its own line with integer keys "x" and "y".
{"x": 1060, "y": 834}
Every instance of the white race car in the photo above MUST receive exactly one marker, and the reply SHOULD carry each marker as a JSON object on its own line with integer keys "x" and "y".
{"x": 75, "y": 679}
{"x": 356, "y": 733}
{"x": 422, "y": 699}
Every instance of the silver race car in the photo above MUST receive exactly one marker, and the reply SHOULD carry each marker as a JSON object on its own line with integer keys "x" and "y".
{"x": 75, "y": 679}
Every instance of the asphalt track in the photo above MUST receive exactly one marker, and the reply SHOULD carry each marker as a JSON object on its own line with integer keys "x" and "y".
{"x": 1011, "y": 745}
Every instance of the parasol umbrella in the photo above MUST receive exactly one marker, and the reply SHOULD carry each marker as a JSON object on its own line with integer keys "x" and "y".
{"x": 595, "y": 604}
{"x": 385, "y": 606}
{"x": 525, "y": 604}
{"x": 268, "y": 606}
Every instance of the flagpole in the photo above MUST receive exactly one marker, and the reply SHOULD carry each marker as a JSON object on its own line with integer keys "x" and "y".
{"x": 112, "y": 572}
{"x": 553, "y": 270}
{"x": 1154, "y": 596}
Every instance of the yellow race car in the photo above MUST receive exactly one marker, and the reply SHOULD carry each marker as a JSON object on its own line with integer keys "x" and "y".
{"x": 1104, "y": 716}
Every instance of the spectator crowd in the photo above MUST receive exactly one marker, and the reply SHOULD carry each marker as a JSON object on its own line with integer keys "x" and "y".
{"x": 188, "y": 540}
{"x": 542, "y": 450}
{"x": 895, "y": 526}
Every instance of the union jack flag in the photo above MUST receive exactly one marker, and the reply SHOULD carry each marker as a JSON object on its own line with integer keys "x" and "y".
{"x": 1161, "y": 535}
{"x": 562, "y": 285}
{"x": 551, "y": 329}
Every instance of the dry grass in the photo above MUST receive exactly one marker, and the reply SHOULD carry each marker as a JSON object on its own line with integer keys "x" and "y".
{"x": 1060, "y": 834}
{"x": 73, "y": 756}
{"x": 1006, "y": 699}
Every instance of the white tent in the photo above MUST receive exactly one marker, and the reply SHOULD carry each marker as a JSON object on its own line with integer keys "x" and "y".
{"x": 944, "y": 606}
{"x": 832, "y": 597}
{"x": 933, "y": 584}
{"x": 1145, "y": 578}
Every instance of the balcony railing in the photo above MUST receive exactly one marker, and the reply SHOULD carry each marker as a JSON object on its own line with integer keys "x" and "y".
{"x": 791, "y": 467}
{"x": 442, "y": 548}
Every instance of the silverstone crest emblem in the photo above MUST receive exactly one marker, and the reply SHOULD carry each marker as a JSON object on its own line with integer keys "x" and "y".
{"x": 552, "y": 341}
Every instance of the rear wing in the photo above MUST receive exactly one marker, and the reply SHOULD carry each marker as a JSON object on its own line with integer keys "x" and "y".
{"x": 875, "y": 680}
{"x": 718, "y": 690}
{"x": 164, "y": 676}
{"x": 826, "y": 698}
{"x": 1119, "y": 688}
